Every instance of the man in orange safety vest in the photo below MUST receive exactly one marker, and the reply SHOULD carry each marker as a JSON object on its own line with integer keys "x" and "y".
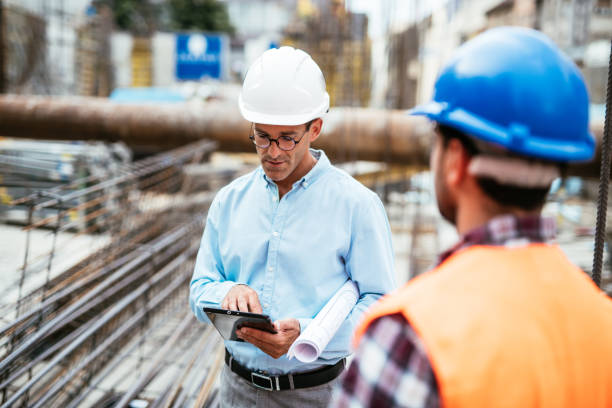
{"x": 505, "y": 319}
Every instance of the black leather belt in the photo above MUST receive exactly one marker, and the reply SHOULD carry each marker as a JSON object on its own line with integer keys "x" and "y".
{"x": 287, "y": 381}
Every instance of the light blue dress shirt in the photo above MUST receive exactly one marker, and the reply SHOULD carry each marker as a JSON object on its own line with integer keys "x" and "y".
{"x": 295, "y": 253}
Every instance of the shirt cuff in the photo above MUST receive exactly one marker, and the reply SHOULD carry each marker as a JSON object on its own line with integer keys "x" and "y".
{"x": 213, "y": 299}
{"x": 221, "y": 291}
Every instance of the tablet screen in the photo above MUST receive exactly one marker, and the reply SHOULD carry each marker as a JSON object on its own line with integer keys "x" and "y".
{"x": 228, "y": 321}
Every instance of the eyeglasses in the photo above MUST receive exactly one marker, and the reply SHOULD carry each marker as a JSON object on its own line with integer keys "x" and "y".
{"x": 264, "y": 141}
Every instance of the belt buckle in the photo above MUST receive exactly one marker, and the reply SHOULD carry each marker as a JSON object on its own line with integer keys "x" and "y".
{"x": 263, "y": 377}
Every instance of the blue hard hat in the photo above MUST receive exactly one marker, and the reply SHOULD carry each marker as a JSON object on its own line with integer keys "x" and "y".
{"x": 513, "y": 87}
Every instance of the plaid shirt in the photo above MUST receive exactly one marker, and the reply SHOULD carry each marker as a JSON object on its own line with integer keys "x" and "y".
{"x": 391, "y": 368}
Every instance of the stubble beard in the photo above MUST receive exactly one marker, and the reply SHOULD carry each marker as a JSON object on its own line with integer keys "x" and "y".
{"x": 276, "y": 173}
{"x": 447, "y": 209}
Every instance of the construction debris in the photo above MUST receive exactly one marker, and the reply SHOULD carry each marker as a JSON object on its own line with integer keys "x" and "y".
{"x": 28, "y": 167}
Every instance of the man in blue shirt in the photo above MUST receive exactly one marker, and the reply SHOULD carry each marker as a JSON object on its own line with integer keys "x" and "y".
{"x": 284, "y": 238}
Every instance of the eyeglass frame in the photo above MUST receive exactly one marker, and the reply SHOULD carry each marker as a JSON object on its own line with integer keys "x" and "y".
{"x": 270, "y": 140}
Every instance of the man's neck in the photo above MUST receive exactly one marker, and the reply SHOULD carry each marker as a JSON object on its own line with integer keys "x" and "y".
{"x": 474, "y": 214}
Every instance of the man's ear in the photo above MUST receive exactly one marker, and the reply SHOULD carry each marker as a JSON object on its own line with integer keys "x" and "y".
{"x": 315, "y": 129}
{"x": 456, "y": 161}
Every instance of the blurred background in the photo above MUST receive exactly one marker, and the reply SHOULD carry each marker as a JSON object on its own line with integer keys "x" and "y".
{"x": 119, "y": 122}
{"x": 382, "y": 54}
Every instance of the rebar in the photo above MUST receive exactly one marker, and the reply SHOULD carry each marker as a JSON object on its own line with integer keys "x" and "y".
{"x": 57, "y": 346}
{"x": 114, "y": 337}
{"x": 602, "y": 200}
{"x": 101, "y": 321}
{"x": 160, "y": 355}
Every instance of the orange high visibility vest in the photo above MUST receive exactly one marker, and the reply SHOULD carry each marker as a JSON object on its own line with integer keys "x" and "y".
{"x": 510, "y": 327}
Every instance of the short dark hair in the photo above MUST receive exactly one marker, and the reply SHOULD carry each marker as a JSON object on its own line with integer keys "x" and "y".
{"x": 521, "y": 197}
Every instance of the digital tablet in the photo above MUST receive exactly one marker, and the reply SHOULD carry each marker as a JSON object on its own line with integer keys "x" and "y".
{"x": 228, "y": 321}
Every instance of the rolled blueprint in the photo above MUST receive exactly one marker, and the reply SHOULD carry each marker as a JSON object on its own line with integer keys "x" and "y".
{"x": 309, "y": 345}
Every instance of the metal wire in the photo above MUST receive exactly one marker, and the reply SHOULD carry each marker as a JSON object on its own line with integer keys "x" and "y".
{"x": 58, "y": 345}
{"x": 604, "y": 180}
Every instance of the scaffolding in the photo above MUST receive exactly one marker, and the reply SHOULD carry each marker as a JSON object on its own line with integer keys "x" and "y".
{"x": 55, "y": 48}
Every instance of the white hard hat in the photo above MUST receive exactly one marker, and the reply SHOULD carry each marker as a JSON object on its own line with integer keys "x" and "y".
{"x": 284, "y": 86}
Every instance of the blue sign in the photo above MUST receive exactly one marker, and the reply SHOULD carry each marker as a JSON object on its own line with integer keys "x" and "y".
{"x": 199, "y": 56}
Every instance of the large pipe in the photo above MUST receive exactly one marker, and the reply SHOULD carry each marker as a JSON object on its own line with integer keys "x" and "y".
{"x": 348, "y": 133}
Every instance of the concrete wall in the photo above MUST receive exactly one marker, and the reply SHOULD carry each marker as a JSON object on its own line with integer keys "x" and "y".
{"x": 255, "y": 17}
{"x": 121, "y": 56}
{"x": 164, "y": 59}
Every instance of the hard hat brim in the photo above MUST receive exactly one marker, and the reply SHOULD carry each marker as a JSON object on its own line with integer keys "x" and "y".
{"x": 514, "y": 138}
{"x": 286, "y": 120}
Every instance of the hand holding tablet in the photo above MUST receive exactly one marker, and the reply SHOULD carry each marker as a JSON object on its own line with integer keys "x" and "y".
{"x": 228, "y": 321}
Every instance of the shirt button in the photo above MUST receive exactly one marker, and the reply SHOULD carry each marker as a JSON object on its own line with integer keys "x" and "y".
{"x": 270, "y": 269}
{"x": 275, "y": 233}
{"x": 266, "y": 305}
{"x": 305, "y": 184}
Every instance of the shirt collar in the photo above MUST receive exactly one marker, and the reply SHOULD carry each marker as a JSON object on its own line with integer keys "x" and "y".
{"x": 321, "y": 166}
{"x": 506, "y": 230}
